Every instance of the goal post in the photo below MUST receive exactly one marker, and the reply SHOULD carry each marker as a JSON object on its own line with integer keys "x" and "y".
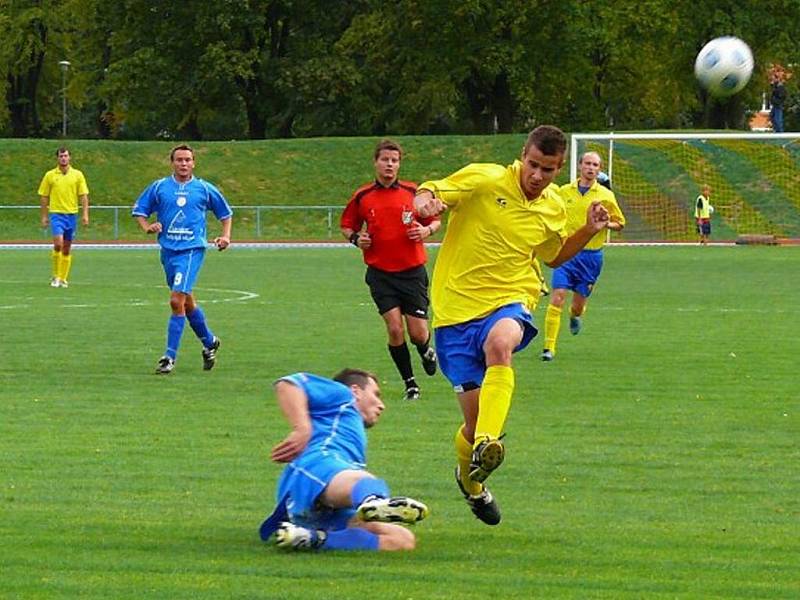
{"x": 656, "y": 177}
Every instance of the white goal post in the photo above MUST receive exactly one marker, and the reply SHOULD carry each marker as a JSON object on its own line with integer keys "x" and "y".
{"x": 754, "y": 180}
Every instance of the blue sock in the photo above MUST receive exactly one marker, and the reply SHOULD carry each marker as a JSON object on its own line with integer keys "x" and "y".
{"x": 366, "y": 487}
{"x": 197, "y": 321}
{"x": 174, "y": 332}
{"x": 352, "y": 538}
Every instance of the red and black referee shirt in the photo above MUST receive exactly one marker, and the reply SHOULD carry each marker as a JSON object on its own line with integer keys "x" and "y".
{"x": 388, "y": 213}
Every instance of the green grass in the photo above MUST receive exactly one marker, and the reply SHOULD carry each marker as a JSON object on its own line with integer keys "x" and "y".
{"x": 753, "y": 187}
{"x": 656, "y": 457}
{"x": 303, "y": 172}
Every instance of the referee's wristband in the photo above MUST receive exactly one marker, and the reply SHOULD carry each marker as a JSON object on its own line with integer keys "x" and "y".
{"x": 354, "y": 239}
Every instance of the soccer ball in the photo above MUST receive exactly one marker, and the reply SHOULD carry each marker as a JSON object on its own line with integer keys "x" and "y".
{"x": 724, "y": 66}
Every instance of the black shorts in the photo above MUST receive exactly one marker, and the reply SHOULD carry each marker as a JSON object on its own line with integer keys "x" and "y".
{"x": 406, "y": 289}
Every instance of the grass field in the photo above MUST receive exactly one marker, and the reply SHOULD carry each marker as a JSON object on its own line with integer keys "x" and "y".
{"x": 656, "y": 457}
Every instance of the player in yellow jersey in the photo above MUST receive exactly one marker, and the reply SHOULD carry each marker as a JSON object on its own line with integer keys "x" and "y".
{"x": 485, "y": 288}
{"x": 702, "y": 214}
{"x": 59, "y": 192}
{"x": 580, "y": 273}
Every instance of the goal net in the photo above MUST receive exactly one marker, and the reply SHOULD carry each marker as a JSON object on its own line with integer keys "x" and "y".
{"x": 656, "y": 177}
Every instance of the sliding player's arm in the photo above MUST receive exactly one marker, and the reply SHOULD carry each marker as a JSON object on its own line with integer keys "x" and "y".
{"x": 293, "y": 402}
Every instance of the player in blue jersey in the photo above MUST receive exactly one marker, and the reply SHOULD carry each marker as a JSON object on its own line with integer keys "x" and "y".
{"x": 181, "y": 202}
{"x": 326, "y": 499}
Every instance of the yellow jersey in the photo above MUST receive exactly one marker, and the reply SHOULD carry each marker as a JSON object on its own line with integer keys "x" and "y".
{"x": 494, "y": 233}
{"x": 63, "y": 189}
{"x": 702, "y": 207}
{"x": 577, "y": 204}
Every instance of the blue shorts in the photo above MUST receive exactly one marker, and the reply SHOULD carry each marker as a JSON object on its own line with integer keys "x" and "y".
{"x": 301, "y": 485}
{"x": 65, "y": 225}
{"x": 704, "y": 226}
{"x": 459, "y": 348}
{"x": 182, "y": 267}
{"x": 579, "y": 273}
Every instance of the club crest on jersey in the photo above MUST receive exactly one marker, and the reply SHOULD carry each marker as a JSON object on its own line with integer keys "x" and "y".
{"x": 407, "y": 217}
{"x": 501, "y": 202}
{"x": 181, "y": 201}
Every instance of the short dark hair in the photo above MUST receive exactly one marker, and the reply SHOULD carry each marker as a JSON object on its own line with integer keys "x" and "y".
{"x": 61, "y": 150}
{"x": 387, "y": 144}
{"x": 180, "y": 147}
{"x": 550, "y": 140}
{"x": 357, "y": 377}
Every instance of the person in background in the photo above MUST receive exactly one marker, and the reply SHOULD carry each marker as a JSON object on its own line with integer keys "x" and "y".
{"x": 702, "y": 214}
{"x": 181, "y": 202}
{"x": 777, "y": 99}
{"x": 580, "y": 273}
{"x": 379, "y": 220}
{"x": 59, "y": 192}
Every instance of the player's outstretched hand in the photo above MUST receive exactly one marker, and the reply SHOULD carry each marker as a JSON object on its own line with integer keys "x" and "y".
{"x": 290, "y": 447}
{"x": 222, "y": 242}
{"x": 427, "y": 205}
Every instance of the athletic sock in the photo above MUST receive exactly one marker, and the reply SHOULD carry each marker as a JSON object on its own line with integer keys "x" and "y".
{"x": 352, "y": 538}
{"x": 464, "y": 457}
{"x": 197, "y": 321}
{"x": 402, "y": 360}
{"x": 423, "y": 347}
{"x": 494, "y": 401}
{"x": 63, "y": 267}
{"x": 368, "y": 487}
{"x": 55, "y": 259}
{"x": 174, "y": 331}
{"x": 552, "y": 323}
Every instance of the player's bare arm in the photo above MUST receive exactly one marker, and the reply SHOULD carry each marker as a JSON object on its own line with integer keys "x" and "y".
{"x": 294, "y": 404}
{"x": 596, "y": 220}
{"x": 148, "y": 227}
{"x": 224, "y": 240}
{"x": 85, "y": 209}
{"x": 44, "y": 203}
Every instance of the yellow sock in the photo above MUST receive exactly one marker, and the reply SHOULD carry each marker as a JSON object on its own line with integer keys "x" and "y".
{"x": 63, "y": 267}
{"x": 552, "y": 323}
{"x": 494, "y": 401}
{"x": 55, "y": 258}
{"x": 464, "y": 456}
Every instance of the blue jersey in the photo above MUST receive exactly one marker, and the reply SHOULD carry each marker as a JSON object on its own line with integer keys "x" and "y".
{"x": 337, "y": 424}
{"x": 181, "y": 209}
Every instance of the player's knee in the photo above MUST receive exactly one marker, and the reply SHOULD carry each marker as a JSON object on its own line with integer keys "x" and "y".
{"x": 558, "y": 297}
{"x": 498, "y": 351}
{"x": 397, "y": 334}
{"x": 177, "y": 302}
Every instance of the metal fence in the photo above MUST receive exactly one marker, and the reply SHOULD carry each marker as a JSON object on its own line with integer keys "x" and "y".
{"x": 261, "y": 223}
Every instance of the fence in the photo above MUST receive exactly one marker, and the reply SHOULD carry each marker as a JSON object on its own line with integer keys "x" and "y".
{"x": 261, "y": 223}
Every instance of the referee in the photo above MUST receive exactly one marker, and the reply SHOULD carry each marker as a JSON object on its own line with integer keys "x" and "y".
{"x": 379, "y": 219}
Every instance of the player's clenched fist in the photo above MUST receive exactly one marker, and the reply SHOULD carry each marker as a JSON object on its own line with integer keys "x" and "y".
{"x": 427, "y": 205}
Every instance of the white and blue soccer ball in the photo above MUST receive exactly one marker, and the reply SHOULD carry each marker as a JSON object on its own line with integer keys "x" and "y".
{"x": 724, "y": 66}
